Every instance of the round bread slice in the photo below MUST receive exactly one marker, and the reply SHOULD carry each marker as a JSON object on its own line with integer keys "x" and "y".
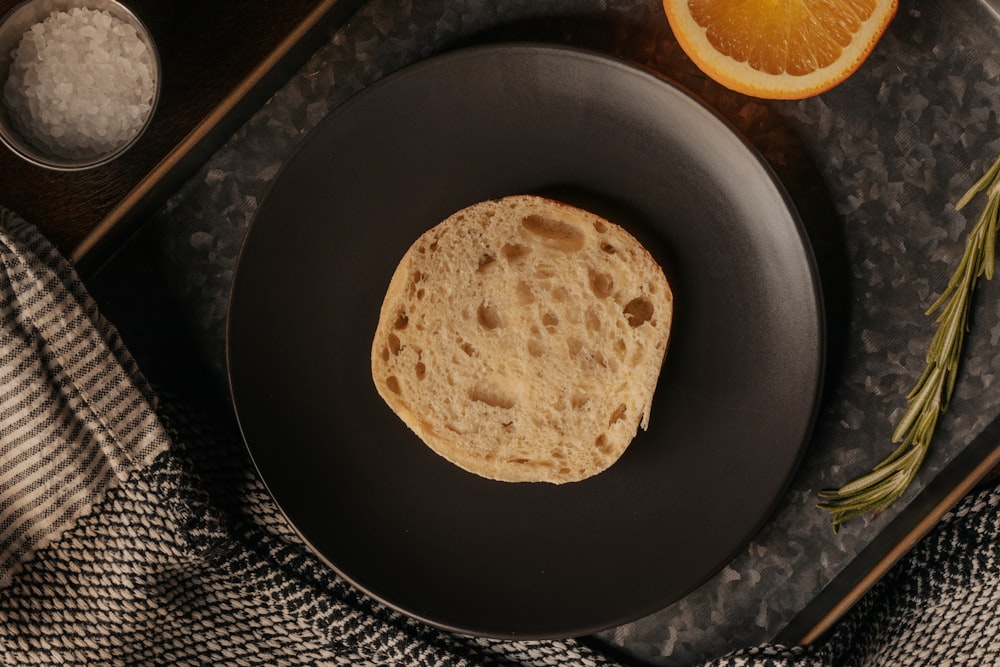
{"x": 522, "y": 340}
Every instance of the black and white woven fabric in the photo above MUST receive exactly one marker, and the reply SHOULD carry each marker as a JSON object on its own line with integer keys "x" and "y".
{"x": 132, "y": 533}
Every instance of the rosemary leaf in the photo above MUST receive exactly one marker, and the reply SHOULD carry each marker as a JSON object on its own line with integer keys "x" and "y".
{"x": 989, "y": 258}
{"x": 901, "y": 449}
{"x": 929, "y": 398}
{"x": 990, "y": 177}
{"x": 919, "y": 403}
{"x": 863, "y": 484}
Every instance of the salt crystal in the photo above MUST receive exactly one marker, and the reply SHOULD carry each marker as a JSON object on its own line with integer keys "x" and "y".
{"x": 72, "y": 88}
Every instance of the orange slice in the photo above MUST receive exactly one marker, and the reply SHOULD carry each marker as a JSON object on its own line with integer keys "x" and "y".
{"x": 779, "y": 49}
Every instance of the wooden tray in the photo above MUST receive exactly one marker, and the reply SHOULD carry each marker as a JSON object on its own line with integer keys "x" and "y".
{"x": 221, "y": 61}
{"x": 221, "y": 66}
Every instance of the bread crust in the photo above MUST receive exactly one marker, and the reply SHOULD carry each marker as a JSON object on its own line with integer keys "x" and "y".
{"x": 522, "y": 340}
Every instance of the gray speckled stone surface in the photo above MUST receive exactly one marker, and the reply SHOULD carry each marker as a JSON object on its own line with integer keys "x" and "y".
{"x": 874, "y": 167}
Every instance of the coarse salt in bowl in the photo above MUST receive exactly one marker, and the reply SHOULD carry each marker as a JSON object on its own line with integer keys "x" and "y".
{"x": 79, "y": 81}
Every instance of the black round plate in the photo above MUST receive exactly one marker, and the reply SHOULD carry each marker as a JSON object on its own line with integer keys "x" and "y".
{"x": 736, "y": 399}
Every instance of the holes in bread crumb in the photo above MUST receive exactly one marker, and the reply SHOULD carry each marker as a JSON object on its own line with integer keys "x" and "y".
{"x": 550, "y": 321}
{"x": 394, "y": 344}
{"x": 593, "y": 320}
{"x": 525, "y": 294}
{"x": 420, "y": 370}
{"x": 485, "y": 262}
{"x": 608, "y": 248}
{"x": 561, "y": 294}
{"x": 618, "y": 414}
{"x": 579, "y": 400}
{"x": 488, "y": 316}
{"x": 537, "y": 348}
{"x": 416, "y": 278}
{"x": 392, "y": 382}
{"x": 492, "y": 395}
{"x": 545, "y": 271}
{"x": 574, "y": 346}
{"x": 638, "y": 311}
{"x": 600, "y": 227}
{"x": 385, "y": 353}
{"x": 401, "y": 321}
{"x": 514, "y": 252}
{"x": 556, "y": 234}
{"x": 601, "y": 284}
{"x": 602, "y": 444}
{"x": 467, "y": 347}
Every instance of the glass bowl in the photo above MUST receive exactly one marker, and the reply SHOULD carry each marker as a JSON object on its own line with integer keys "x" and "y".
{"x": 13, "y": 27}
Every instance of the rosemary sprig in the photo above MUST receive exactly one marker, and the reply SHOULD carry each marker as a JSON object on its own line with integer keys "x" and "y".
{"x": 929, "y": 397}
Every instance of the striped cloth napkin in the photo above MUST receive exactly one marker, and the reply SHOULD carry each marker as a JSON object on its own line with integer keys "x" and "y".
{"x": 133, "y": 532}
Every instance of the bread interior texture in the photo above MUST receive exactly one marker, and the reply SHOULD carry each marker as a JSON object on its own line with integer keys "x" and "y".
{"x": 522, "y": 340}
